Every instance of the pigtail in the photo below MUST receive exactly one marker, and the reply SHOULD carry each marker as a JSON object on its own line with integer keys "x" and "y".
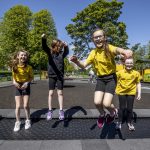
{"x": 14, "y": 62}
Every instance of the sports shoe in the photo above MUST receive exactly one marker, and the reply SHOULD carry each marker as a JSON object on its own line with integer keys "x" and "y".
{"x": 27, "y": 124}
{"x": 101, "y": 121}
{"x": 131, "y": 126}
{"x": 61, "y": 115}
{"x": 110, "y": 118}
{"x": 17, "y": 126}
{"x": 118, "y": 125}
{"x": 49, "y": 115}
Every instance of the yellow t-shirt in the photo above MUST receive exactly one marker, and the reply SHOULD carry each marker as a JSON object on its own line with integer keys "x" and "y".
{"x": 127, "y": 82}
{"x": 101, "y": 63}
{"x": 23, "y": 74}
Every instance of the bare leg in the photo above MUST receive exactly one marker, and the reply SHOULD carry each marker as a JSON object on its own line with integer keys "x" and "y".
{"x": 18, "y": 100}
{"x": 26, "y": 106}
{"x": 60, "y": 98}
{"x": 98, "y": 100}
{"x": 50, "y": 99}
{"x": 107, "y": 103}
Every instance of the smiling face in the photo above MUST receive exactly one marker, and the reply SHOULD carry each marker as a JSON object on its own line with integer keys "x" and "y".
{"x": 22, "y": 57}
{"x": 99, "y": 38}
{"x": 129, "y": 64}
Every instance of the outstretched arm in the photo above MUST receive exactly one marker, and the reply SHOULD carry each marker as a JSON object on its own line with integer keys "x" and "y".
{"x": 126, "y": 53}
{"x": 78, "y": 63}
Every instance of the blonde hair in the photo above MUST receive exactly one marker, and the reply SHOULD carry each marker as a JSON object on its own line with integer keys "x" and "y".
{"x": 14, "y": 60}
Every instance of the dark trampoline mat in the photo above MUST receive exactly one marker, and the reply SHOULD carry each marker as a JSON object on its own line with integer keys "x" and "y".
{"x": 71, "y": 129}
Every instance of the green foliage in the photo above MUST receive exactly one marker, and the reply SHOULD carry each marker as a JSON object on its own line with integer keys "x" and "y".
{"x": 148, "y": 50}
{"x": 20, "y": 28}
{"x": 15, "y": 28}
{"x": 2, "y": 58}
{"x": 102, "y": 14}
{"x": 141, "y": 56}
{"x": 42, "y": 22}
{"x": 69, "y": 67}
{"x": 39, "y": 60}
{"x": 5, "y": 73}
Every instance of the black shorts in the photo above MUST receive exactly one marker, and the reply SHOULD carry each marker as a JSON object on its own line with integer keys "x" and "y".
{"x": 20, "y": 92}
{"x": 54, "y": 81}
{"x": 106, "y": 83}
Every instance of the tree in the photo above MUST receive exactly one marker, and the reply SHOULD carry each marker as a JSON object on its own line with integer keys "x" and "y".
{"x": 141, "y": 55}
{"x": 102, "y": 14}
{"x": 42, "y": 22}
{"x": 69, "y": 67}
{"x": 148, "y": 50}
{"x": 20, "y": 28}
{"x": 2, "y": 59}
{"x": 14, "y": 29}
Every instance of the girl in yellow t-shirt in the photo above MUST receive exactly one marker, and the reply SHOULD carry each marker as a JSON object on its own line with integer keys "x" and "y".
{"x": 22, "y": 76}
{"x": 128, "y": 84}
{"x": 102, "y": 60}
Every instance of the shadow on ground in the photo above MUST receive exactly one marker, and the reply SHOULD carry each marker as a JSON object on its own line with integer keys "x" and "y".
{"x": 69, "y": 115}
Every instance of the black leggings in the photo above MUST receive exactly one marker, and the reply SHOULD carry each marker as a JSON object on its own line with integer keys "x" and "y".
{"x": 126, "y": 103}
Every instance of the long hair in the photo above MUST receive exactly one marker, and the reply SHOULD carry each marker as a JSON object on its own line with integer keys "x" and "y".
{"x": 15, "y": 61}
{"x": 56, "y": 46}
{"x": 105, "y": 46}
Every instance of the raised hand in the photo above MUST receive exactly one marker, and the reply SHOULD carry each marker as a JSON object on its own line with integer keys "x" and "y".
{"x": 65, "y": 43}
{"x": 43, "y": 35}
{"x": 128, "y": 53}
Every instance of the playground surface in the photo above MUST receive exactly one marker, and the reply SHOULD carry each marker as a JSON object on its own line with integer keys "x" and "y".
{"x": 79, "y": 130}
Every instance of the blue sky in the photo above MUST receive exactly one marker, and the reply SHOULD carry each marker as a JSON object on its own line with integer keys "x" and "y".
{"x": 135, "y": 14}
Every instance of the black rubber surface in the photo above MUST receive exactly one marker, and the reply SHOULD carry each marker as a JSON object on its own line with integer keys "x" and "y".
{"x": 75, "y": 94}
{"x": 71, "y": 129}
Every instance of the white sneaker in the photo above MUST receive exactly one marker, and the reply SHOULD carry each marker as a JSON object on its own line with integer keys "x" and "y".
{"x": 17, "y": 126}
{"x": 27, "y": 124}
{"x": 131, "y": 126}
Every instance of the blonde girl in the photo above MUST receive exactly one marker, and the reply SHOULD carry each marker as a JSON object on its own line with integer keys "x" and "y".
{"x": 22, "y": 76}
{"x": 128, "y": 85}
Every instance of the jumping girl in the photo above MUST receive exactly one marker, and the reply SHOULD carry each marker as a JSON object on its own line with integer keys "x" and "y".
{"x": 22, "y": 76}
{"x": 56, "y": 54}
{"x": 102, "y": 60}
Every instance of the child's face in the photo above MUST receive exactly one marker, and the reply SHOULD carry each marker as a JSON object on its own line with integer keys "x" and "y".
{"x": 22, "y": 56}
{"x": 57, "y": 45}
{"x": 99, "y": 38}
{"x": 129, "y": 64}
